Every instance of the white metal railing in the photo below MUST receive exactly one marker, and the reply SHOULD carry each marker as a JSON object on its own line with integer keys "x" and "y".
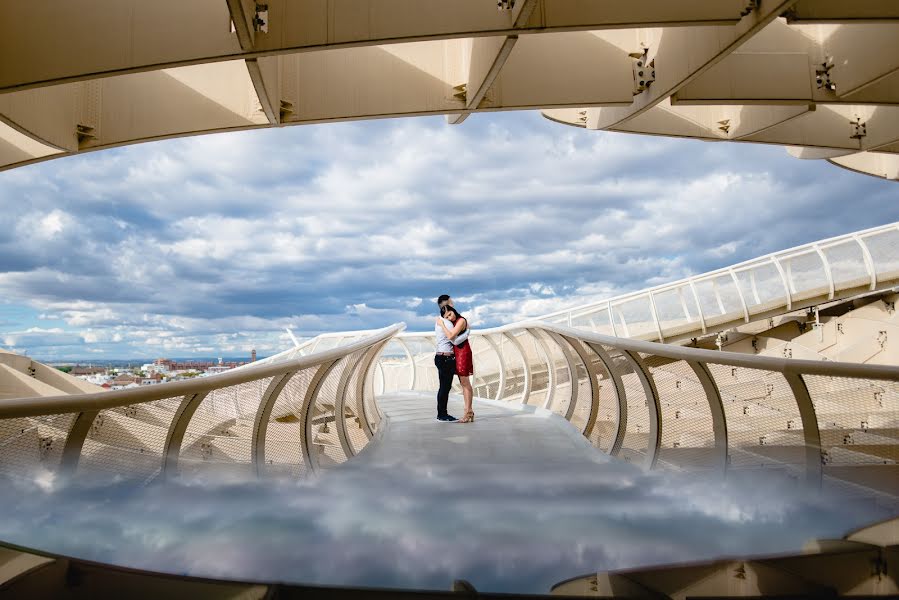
{"x": 289, "y": 416}
{"x": 687, "y": 409}
{"x": 788, "y": 280}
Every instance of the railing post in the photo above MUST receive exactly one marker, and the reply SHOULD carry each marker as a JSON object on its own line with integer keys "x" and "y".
{"x": 786, "y": 283}
{"x": 655, "y": 317}
{"x": 652, "y": 402}
{"x": 526, "y": 390}
{"x": 411, "y": 362}
{"x": 501, "y": 385}
{"x": 71, "y": 451}
{"x": 740, "y": 294}
{"x": 307, "y": 412}
{"x": 869, "y": 261}
{"x": 369, "y": 359}
{"x": 620, "y": 397}
{"x": 550, "y": 366}
{"x": 565, "y": 348}
{"x": 716, "y": 408}
{"x": 594, "y": 386}
{"x": 810, "y": 432}
{"x": 171, "y": 452}
{"x": 260, "y": 422}
{"x": 827, "y": 271}
{"x": 340, "y": 403}
{"x": 699, "y": 310}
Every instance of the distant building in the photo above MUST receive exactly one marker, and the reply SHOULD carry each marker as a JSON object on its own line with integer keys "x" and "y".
{"x": 151, "y": 379}
{"x": 80, "y": 371}
{"x": 124, "y": 380}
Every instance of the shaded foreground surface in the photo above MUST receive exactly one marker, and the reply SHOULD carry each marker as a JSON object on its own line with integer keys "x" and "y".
{"x": 514, "y": 502}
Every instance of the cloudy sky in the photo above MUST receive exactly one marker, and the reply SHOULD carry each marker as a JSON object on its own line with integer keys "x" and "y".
{"x": 210, "y": 246}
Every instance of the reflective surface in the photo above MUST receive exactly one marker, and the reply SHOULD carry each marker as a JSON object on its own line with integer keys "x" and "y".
{"x": 430, "y": 502}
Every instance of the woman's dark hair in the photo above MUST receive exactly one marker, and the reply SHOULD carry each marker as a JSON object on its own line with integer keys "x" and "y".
{"x": 444, "y": 310}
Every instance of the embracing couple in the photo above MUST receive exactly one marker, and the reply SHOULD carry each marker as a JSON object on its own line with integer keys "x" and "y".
{"x": 453, "y": 358}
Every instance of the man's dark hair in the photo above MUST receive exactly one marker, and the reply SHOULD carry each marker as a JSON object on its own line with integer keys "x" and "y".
{"x": 441, "y": 300}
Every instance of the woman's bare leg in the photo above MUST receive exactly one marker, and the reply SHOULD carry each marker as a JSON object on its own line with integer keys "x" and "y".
{"x": 467, "y": 392}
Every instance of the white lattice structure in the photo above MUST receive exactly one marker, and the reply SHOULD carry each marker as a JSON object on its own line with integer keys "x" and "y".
{"x": 818, "y": 76}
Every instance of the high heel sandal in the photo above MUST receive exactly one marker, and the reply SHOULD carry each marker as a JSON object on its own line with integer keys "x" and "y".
{"x": 468, "y": 418}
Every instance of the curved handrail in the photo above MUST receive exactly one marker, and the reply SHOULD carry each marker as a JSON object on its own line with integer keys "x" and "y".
{"x": 782, "y": 403}
{"x": 47, "y": 405}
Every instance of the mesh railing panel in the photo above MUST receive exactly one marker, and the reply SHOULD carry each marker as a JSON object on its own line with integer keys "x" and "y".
{"x": 514, "y": 367}
{"x": 396, "y": 368}
{"x": 352, "y": 405}
{"x": 219, "y": 435}
{"x": 676, "y": 309}
{"x": 596, "y": 321}
{"x": 806, "y": 275}
{"x": 533, "y": 354}
{"x": 481, "y": 353}
{"x": 486, "y": 369}
{"x": 369, "y": 407}
{"x": 719, "y": 300}
{"x": 763, "y": 422}
{"x": 636, "y": 436}
{"x": 325, "y": 440}
{"x": 762, "y": 287}
{"x": 884, "y": 249}
{"x": 583, "y": 399}
{"x": 606, "y": 427}
{"x": 30, "y": 445}
{"x": 847, "y": 265}
{"x": 858, "y": 420}
{"x": 128, "y": 440}
{"x": 687, "y": 435}
{"x": 633, "y": 318}
{"x": 285, "y": 431}
{"x": 561, "y": 394}
{"x": 425, "y": 372}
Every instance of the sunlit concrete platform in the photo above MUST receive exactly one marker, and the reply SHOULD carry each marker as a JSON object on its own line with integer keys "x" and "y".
{"x": 503, "y": 434}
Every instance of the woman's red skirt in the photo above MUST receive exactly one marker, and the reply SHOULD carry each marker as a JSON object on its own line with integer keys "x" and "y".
{"x": 464, "y": 361}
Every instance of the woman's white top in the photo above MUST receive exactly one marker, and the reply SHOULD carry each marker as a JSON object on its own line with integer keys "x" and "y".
{"x": 443, "y": 343}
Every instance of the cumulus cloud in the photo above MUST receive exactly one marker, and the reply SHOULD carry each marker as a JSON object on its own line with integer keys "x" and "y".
{"x": 254, "y": 231}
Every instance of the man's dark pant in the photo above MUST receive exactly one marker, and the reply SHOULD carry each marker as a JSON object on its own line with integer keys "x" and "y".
{"x": 446, "y": 370}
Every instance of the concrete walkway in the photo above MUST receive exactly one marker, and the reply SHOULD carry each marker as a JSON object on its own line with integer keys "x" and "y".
{"x": 504, "y": 435}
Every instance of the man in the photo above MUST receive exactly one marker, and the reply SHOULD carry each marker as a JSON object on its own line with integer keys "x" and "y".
{"x": 445, "y": 362}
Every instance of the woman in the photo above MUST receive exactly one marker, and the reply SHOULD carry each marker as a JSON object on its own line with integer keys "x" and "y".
{"x": 458, "y": 335}
{"x": 445, "y": 361}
